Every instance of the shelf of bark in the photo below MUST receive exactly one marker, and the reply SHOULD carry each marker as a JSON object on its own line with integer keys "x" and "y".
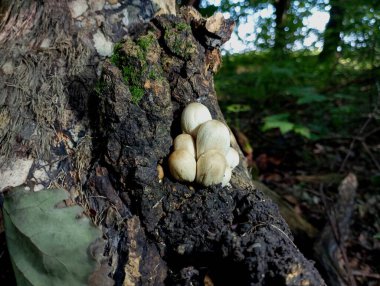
{"x": 159, "y": 230}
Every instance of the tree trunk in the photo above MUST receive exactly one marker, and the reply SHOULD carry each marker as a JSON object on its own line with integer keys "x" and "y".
{"x": 101, "y": 128}
{"x": 281, "y": 10}
{"x": 332, "y": 31}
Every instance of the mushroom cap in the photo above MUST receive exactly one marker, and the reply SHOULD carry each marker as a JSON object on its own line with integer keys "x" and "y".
{"x": 193, "y": 116}
{"x": 232, "y": 157}
{"x": 227, "y": 176}
{"x": 182, "y": 166}
{"x": 185, "y": 142}
{"x": 212, "y": 134}
{"x": 211, "y": 167}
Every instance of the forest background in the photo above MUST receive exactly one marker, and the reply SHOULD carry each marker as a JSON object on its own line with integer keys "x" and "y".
{"x": 300, "y": 83}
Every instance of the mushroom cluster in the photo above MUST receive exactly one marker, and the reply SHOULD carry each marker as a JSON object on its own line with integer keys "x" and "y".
{"x": 203, "y": 152}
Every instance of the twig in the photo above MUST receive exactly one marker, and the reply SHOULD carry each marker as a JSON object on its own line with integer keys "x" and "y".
{"x": 374, "y": 114}
{"x": 356, "y": 138}
{"x": 281, "y": 231}
{"x": 366, "y": 148}
{"x": 371, "y": 132}
{"x": 370, "y": 275}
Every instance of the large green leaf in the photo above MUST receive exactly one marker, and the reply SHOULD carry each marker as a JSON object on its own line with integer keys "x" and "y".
{"x": 48, "y": 245}
{"x": 279, "y": 121}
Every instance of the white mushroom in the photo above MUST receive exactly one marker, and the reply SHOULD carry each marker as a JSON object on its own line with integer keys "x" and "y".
{"x": 185, "y": 142}
{"x": 232, "y": 157}
{"x": 193, "y": 116}
{"x": 212, "y": 134}
{"x": 211, "y": 167}
{"x": 182, "y": 166}
{"x": 227, "y": 176}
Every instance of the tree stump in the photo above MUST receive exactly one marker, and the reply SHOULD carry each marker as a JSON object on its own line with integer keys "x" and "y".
{"x": 102, "y": 129}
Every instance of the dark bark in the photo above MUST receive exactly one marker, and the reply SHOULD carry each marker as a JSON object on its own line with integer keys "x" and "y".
{"x": 102, "y": 139}
{"x": 281, "y": 10}
{"x": 194, "y": 3}
{"x": 333, "y": 29}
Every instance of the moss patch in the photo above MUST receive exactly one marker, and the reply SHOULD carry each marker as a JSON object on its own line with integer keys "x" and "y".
{"x": 183, "y": 27}
{"x": 179, "y": 40}
{"x": 147, "y": 41}
{"x": 137, "y": 94}
{"x": 130, "y": 58}
{"x": 138, "y": 61}
{"x": 99, "y": 87}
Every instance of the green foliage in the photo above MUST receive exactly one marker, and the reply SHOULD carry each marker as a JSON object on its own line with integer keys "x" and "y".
{"x": 359, "y": 30}
{"x": 281, "y": 122}
{"x": 238, "y": 108}
{"x": 208, "y": 11}
{"x": 306, "y": 95}
{"x": 48, "y": 244}
{"x": 234, "y": 112}
{"x": 296, "y": 93}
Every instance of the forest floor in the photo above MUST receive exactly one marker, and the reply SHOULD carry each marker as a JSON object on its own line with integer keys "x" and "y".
{"x": 307, "y": 175}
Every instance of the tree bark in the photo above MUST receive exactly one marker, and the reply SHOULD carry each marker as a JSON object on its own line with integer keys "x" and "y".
{"x": 101, "y": 128}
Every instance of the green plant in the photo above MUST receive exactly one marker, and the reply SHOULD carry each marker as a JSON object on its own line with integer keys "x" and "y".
{"x": 281, "y": 121}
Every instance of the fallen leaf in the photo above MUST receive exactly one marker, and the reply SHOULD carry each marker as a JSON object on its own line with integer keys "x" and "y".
{"x": 48, "y": 245}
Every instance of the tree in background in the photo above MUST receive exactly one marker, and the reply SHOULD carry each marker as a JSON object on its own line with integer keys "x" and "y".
{"x": 353, "y": 25}
{"x": 281, "y": 13}
{"x": 334, "y": 27}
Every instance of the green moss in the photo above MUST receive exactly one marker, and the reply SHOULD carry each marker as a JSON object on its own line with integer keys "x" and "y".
{"x": 131, "y": 76}
{"x": 132, "y": 58}
{"x": 137, "y": 94}
{"x": 179, "y": 44}
{"x": 99, "y": 87}
{"x": 183, "y": 27}
{"x": 154, "y": 74}
{"x": 116, "y": 57}
{"x": 146, "y": 42}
